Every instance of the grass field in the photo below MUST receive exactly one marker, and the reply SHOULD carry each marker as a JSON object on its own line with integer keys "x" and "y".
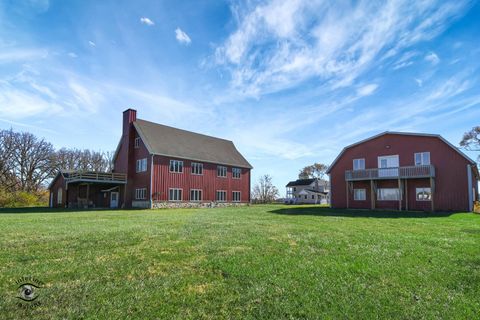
{"x": 257, "y": 262}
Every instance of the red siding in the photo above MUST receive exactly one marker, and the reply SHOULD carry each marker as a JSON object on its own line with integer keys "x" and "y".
{"x": 209, "y": 183}
{"x": 450, "y": 168}
{"x": 58, "y": 183}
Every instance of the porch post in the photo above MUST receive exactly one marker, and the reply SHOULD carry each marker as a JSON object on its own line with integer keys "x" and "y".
{"x": 406, "y": 194}
{"x": 432, "y": 194}
{"x": 88, "y": 193}
{"x": 372, "y": 195}
{"x": 400, "y": 195}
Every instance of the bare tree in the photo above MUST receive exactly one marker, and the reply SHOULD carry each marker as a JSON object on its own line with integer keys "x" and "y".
{"x": 264, "y": 191}
{"x": 316, "y": 170}
{"x": 471, "y": 140}
{"x": 7, "y": 148}
{"x": 83, "y": 160}
{"x": 33, "y": 161}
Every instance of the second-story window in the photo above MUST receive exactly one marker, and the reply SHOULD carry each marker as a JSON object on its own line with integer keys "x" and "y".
{"x": 197, "y": 168}
{"x": 221, "y": 171}
{"x": 358, "y": 164}
{"x": 236, "y": 173}
{"x": 176, "y": 166}
{"x": 422, "y": 158}
{"x": 137, "y": 143}
{"x": 141, "y": 165}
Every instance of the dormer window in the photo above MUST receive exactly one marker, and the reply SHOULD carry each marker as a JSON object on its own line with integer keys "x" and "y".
{"x": 422, "y": 158}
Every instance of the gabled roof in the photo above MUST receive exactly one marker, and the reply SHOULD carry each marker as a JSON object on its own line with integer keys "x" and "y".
{"x": 172, "y": 142}
{"x": 399, "y": 133}
{"x": 306, "y": 182}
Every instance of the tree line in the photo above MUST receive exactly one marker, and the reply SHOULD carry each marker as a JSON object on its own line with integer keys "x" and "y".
{"x": 28, "y": 163}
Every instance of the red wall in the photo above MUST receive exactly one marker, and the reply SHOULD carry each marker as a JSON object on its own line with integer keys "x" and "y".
{"x": 58, "y": 183}
{"x": 163, "y": 179}
{"x": 450, "y": 169}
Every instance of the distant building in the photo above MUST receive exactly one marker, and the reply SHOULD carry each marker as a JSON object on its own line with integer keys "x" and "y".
{"x": 313, "y": 191}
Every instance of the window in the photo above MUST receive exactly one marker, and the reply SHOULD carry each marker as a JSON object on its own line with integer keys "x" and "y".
{"x": 176, "y": 166}
{"x": 221, "y": 196}
{"x": 174, "y": 194}
{"x": 59, "y": 196}
{"x": 359, "y": 194}
{"x": 313, "y": 197}
{"x": 142, "y": 165}
{"x": 140, "y": 194}
{"x": 422, "y": 158}
{"x": 358, "y": 164}
{"x": 305, "y": 197}
{"x": 197, "y": 168}
{"x": 423, "y": 194}
{"x": 221, "y": 171}
{"x": 388, "y": 194}
{"x": 236, "y": 196}
{"x": 195, "y": 195}
{"x": 294, "y": 188}
{"x": 236, "y": 173}
{"x": 137, "y": 143}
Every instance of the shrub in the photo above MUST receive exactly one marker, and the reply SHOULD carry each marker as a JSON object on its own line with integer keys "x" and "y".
{"x": 23, "y": 199}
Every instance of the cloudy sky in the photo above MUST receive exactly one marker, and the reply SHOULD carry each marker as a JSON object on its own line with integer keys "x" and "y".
{"x": 290, "y": 82}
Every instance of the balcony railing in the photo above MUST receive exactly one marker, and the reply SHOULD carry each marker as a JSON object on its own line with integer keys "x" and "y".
{"x": 425, "y": 171}
{"x": 96, "y": 177}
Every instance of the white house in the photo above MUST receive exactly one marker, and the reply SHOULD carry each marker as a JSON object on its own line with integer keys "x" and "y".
{"x": 313, "y": 191}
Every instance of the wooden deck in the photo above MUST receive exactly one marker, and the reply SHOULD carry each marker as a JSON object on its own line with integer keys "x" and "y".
{"x": 411, "y": 172}
{"x": 96, "y": 177}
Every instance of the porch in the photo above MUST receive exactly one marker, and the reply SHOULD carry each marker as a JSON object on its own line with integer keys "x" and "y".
{"x": 402, "y": 183}
{"x": 95, "y": 189}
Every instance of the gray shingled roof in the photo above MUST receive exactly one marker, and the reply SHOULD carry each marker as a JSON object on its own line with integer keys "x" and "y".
{"x": 177, "y": 143}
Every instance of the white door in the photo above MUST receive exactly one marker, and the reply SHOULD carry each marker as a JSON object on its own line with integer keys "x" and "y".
{"x": 114, "y": 200}
{"x": 388, "y": 166}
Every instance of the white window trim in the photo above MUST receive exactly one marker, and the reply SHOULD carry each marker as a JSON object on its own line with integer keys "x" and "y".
{"x": 239, "y": 196}
{"x": 198, "y": 164}
{"x": 378, "y": 193}
{"x": 216, "y": 194}
{"x": 140, "y": 193}
{"x": 181, "y": 194}
{"x": 364, "y": 194}
{"x": 239, "y": 173}
{"x": 141, "y": 165}
{"x": 394, "y": 156}
{"x": 421, "y": 158}
{"x": 353, "y": 164}
{"x": 201, "y": 195}
{"x": 59, "y": 195}
{"x": 226, "y": 171}
{"x": 422, "y": 188}
{"x": 170, "y": 166}
{"x": 136, "y": 144}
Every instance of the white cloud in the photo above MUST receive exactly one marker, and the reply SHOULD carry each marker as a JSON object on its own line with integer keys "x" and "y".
{"x": 279, "y": 44}
{"x": 367, "y": 90}
{"x": 182, "y": 37}
{"x": 432, "y": 58}
{"x": 419, "y": 82}
{"x": 147, "y": 21}
{"x": 72, "y": 55}
{"x": 91, "y": 43}
{"x": 21, "y": 54}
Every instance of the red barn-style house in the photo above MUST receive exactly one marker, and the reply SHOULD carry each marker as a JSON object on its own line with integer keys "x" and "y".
{"x": 159, "y": 166}
{"x": 404, "y": 171}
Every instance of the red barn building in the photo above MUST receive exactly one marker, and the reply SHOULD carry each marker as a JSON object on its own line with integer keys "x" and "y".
{"x": 404, "y": 171}
{"x": 158, "y": 166}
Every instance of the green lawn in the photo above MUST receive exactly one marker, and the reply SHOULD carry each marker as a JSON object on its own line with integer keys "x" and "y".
{"x": 258, "y": 262}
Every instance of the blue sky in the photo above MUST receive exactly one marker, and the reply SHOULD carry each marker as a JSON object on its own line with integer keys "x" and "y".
{"x": 289, "y": 82}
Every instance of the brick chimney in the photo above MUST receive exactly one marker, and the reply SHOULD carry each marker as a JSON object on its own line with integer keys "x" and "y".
{"x": 129, "y": 116}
